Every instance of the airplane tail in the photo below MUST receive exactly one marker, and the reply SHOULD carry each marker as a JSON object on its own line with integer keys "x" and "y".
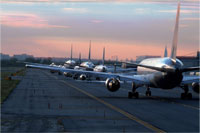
{"x": 173, "y": 53}
{"x": 80, "y": 58}
{"x": 175, "y": 37}
{"x": 166, "y": 53}
{"x": 71, "y": 51}
{"x": 89, "y": 51}
{"x": 103, "y": 60}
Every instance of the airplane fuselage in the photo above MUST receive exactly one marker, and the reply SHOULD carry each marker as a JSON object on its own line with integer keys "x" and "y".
{"x": 70, "y": 64}
{"x": 164, "y": 80}
{"x": 87, "y": 65}
{"x": 100, "y": 68}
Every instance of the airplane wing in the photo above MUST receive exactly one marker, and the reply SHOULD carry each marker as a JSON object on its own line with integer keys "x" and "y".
{"x": 190, "y": 79}
{"x": 140, "y": 79}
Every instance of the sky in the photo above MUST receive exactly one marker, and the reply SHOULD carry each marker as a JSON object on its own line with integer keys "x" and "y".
{"x": 126, "y": 28}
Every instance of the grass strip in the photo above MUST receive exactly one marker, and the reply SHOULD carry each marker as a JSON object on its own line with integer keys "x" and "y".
{"x": 8, "y": 84}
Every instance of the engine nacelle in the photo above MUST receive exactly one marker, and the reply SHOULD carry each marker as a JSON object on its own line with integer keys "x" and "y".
{"x": 82, "y": 77}
{"x": 67, "y": 74}
{"x": 112, "y": 84}
{"x": 195, "y": 87}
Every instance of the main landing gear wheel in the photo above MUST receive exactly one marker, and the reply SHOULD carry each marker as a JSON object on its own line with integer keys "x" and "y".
{"x": 133, "y": 94}
{"x": 186, "y": 95}
{"x": 59, "y": 73}
{"x": 148, "y": 92}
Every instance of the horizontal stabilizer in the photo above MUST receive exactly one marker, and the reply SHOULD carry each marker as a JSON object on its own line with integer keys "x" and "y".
{"x": 190, "y": 69}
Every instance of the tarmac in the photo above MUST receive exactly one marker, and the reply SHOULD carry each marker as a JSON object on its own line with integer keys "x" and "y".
{"x": 45, "y": 102}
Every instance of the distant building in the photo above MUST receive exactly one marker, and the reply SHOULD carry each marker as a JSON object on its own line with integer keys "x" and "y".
{"x": 22, "y": 56}
{"x": 189, "y": 61}
{"x": 198, "y": 54}
{"x": 4, "y": 56}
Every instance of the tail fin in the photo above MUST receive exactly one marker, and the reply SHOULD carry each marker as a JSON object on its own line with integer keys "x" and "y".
{"x": 80, "y": 58}
{"x": 71, "y": 51}
{"x": 103, "y": 56}
{"x": 175, "y": 37}
{"x": 166, "y": 53}
{"x": 89, "y": 51}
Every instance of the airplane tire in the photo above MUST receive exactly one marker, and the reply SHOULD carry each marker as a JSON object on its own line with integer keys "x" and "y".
{"x": 189, "y": 95}
{"x": 136, "y": 94}
{"x": 183, "y": 95}
{"x": 149, "y": 93}
{"x": 130, "y": 95}
{"x": 97, "y": 78}
{"x": 59, "y": 73}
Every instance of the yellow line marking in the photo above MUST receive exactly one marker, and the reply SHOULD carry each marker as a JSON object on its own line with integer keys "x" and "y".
{"x": 130, "y": 116}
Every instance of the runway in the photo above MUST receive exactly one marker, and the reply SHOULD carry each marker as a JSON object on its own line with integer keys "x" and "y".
{"x": 45, "y": 102}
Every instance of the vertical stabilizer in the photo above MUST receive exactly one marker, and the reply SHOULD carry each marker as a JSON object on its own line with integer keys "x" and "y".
{"x": 103, "y": 56}
{"x": 89, "y": 51}
{"x": 175, "y": 37}
{"x": 71, "y": 51}
{"x": 166, "y": 53}
{"x": 80, "y": 58}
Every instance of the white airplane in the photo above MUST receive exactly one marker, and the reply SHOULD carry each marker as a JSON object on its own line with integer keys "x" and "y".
{"x": 88, "y": 65}
{"x": 70, "y": 63}
{"x": 163, "y": 73}
{"x": 102, "y": 67}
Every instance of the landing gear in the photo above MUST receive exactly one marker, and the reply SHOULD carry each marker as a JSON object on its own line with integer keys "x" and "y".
{"x": 97, "y": 78}
{"x": 133, "y": 93}
{"x": 59, "y": 73}
{"x": 186, "y": 95}
{"x": 148, "y": 92}
{"x": 75, "y": 76}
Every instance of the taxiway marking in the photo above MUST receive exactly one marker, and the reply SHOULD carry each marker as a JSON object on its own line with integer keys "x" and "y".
{"x": 130, "y": 116}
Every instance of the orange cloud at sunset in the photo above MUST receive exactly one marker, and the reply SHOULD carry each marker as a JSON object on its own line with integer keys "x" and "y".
{"x": 26, "y": 20}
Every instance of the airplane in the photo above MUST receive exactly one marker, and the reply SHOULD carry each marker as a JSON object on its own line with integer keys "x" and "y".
{"x": 88, "y": 65}
{"x": 102, "y": 67}
{"x": 70, "y": 63}
{"x": 163, "y": 73}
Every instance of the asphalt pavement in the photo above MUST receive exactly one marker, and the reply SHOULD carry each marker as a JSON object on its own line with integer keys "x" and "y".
{"x": 45, "y": 102}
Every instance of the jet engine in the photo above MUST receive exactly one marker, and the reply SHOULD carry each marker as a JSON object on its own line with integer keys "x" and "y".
{"x": 112, "y": 84}
{"x": 195, "y": 87}
{"x": 82, "y": 77}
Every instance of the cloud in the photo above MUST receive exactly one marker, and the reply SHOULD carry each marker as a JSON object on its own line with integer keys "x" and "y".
{"x": 140, "y": 10}
{"x": 75, "y": 10}
{"x": 181, "y": 11}
{"x": 184, "y": 25}
{"x": 191, "y": 19}
{"x": 96, "y": 21}
{"x": 26, "y": 20}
